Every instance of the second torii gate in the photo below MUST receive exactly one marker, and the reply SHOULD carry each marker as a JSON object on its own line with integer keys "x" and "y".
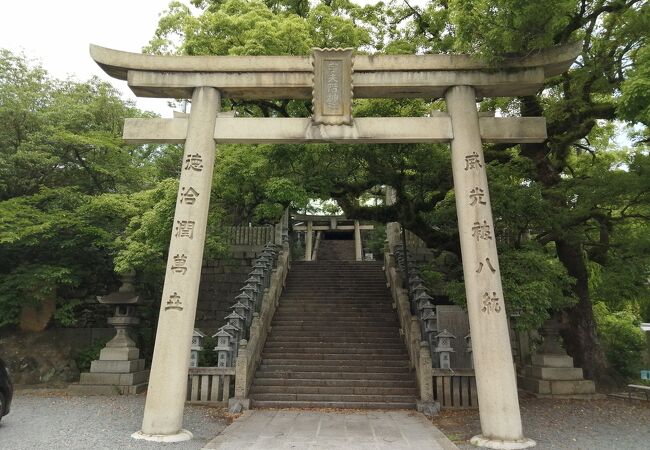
{"x": 330, "y": 77}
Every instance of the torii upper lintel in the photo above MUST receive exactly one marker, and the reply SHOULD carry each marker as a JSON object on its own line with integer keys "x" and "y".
{"x": 290, "y": 77}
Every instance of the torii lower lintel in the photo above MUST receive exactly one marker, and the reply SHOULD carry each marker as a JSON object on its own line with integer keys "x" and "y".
{"x": 368, "y": 130}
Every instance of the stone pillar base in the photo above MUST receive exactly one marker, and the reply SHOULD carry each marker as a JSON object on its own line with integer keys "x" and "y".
{"x": 481, "y": 441}
{"x": 429, "y": 409}
{"x": 553, "y": 375}
{"x": 182, "y": 435}
{"x": 237, "y": 405}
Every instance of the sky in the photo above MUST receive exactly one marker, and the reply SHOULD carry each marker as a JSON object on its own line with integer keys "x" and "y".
{"x": 58, "y": 32}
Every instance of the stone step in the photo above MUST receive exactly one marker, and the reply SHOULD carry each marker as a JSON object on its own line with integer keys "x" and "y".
{"x": 106, "y": 389}
{"x": 302, "y": 366}
{"x": 324, "y": 309}
{"x": 325, "y": 337}
{"x": 118, "y": 379}
{"x": 343, "y": 360}
{"x": 359, "y": 298}
{"x": 334, "y": 390}
{"x": 545, "y": 360}
{"x": 103, "y": 366}
{"x": 364, "y": 326}
{"x": 321, "y": 382}
{"x": 347, "y": 376}
{"x": 555, "y": 373}
{"x": 558, "y": 388}
{"x": 374, "y": 333}
{"x": 344, "y": 340}
{"x": 327, "y": 316}
{"x": 336, "y": 300}
{"x": 384, "y": 310}
{"x": 334, "y": 398}
{"x": 272, "y": 350}
{"x": 332, "y": 404}
{"x": 375, "y": 356}
{"x": 389, "y": 319}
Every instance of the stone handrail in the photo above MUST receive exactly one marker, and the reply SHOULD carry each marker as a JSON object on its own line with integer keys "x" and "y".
{"x": 250, "y": 351}
{"x": 209, "y": 385}
{"x": 418, "y": 350}
{"x": 319, "y": 237}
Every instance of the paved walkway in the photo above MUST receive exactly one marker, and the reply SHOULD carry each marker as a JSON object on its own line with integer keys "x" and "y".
{"x": 287, "y": 429}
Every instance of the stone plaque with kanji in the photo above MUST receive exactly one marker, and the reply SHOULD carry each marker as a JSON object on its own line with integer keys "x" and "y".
{"x": 332, "y": 90}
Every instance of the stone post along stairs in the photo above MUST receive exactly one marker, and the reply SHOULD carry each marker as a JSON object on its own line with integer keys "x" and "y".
{"x": 335, "y": 339}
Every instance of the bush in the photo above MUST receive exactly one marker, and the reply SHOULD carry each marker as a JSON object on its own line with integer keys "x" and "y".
{"x": 89, "y": 354}
{"x": 622, "y": 339}
{"x": 207, "y": 356}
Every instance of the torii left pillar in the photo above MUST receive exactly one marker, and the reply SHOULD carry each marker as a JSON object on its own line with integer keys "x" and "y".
{"x": 163, "y": 412}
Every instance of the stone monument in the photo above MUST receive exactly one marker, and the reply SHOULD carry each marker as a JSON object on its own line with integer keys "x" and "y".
{"x": 552, "y": 373}
{"x": 119, "y": 368}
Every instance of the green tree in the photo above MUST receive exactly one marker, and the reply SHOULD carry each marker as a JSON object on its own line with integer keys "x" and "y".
{"x": 65, "y": 183}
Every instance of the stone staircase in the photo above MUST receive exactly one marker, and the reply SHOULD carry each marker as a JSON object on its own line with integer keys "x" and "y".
{"x": 336, "y": 250}
{"x": 334, "y": 339}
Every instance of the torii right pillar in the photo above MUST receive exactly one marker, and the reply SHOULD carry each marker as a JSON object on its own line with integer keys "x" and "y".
{"x": 496, "y": 382}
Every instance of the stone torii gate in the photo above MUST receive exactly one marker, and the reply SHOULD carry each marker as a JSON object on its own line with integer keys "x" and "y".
{"x": 331, "y": 77}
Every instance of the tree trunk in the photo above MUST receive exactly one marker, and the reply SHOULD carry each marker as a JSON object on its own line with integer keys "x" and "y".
{"x": 580, "y": 336}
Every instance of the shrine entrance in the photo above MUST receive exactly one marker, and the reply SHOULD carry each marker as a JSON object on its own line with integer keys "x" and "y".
{"x": 331, "y": 78}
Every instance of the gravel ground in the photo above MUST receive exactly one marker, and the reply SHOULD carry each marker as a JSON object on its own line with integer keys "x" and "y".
{"x": 608, "y": 424}
{"x": 54, "y": 420}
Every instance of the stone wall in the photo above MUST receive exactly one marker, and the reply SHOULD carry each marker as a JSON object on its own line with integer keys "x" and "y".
{"x": 48, "y": 357}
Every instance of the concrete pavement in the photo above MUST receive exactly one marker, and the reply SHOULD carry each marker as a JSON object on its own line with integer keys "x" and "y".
{"x": 298, "y": 429}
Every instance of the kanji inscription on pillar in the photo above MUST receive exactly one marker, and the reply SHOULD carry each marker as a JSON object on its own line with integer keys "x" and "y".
{"x": 194, "y": 162}
{"x": 481, "y": 231}
{"x": 476, "y": 196}
{"x": 179, "y": 266}
{"x": 188, "y": 195}
{"x": 332, "y": 88}
{"x": 473, "y": 161}
{"x": 489, "y": 265}
{"x": 184, "y": 229}
{"x": 174, "y": 302}
{"x": 491, "y": 303}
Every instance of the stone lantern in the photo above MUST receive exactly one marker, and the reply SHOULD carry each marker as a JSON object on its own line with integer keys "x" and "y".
{"x": 223, "y": 348}
{"x": 257, "y": 281}
{"x": 417, "y": 288}
{"x": 262, "y": 264}
{"x": 444, "y": 348}
{"x": 424, "y": 303}
{"x": 237, "y": 320}
{"x": 415, "y": 279}
{"x": 119, "y": 365}
{"x": 232, "y": 331}
{"x": 251, "y": 291}
{"x": 261, "y": 274}
{"x": 430, "y": 328}
{"x": 430, "y": 320}
{"x": 243, "y": 310}
{"x": 248, "y": 301}
{"x": 254, "y": 279}
{"x": 265, "y": 259}
{"x": 468, "y": 348}
{"x": 197, "y": 346}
